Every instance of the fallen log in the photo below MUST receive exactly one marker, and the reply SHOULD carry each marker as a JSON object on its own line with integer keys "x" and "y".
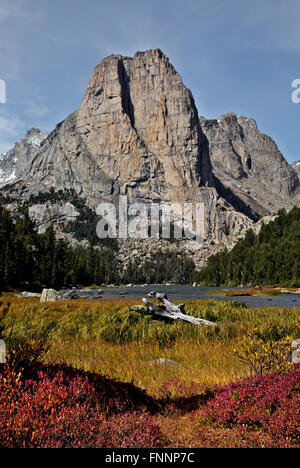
{"x": 168, "y": 310}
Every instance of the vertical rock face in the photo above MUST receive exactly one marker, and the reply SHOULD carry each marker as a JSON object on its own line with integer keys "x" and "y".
{"x": 137, "y": 131}
{"x": 14, "y": 162}
{"x": 250, "y": 164}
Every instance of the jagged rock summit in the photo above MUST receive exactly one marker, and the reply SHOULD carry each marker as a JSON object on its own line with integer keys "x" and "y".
{"x": 250, "y": 164}
{"x": 14, "y": 162}
{"x": 137, "y": 132}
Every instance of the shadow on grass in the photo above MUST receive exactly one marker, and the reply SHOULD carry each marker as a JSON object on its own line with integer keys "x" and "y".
{"x": 117, "y": 397}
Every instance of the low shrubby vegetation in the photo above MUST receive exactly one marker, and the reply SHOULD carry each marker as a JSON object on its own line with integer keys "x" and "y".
{"x": 56, "y": 408}
{"x": 264, "y": 356}
{"x": 259, "y": 412}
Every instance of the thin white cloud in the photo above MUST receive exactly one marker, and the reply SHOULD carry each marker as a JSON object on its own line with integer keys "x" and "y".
{"x": 35, "y": 110}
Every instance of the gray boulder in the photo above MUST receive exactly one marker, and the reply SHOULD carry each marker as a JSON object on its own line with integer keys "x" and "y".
{"x": 296, "y": 351}
{"x": 29, "y": 294}
{"x": 2, "y": 352}
{"x": 50, "y": 295}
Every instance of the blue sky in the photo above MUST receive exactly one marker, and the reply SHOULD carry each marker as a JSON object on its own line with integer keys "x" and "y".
{"x": 235, "y": 55}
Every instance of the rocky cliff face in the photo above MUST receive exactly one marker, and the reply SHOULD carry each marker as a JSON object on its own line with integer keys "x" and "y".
{"x": 296, "y": 167}
{"x": 137, "y": 132}
{"x": 250, "y": 164}
{"x": 13, "y": 164}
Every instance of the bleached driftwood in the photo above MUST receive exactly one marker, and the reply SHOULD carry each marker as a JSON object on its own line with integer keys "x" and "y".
{"x": 168, "y": 310}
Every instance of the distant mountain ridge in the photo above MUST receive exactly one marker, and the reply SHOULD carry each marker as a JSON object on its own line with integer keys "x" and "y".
{"x": 250, "y": 164}
{"x": 13, "y": 164}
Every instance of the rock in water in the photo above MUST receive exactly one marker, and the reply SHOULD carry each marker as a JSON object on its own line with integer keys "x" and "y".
{"x": 26, "y": 294}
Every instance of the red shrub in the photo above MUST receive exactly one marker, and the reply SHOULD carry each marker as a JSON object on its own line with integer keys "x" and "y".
{"x": 268, "y": 405}
{"x": 59, "y": 412}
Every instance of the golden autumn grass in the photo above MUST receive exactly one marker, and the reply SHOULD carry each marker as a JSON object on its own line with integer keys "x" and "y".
{"x": 255, "y": 292}
{"x": 104, "y": 337}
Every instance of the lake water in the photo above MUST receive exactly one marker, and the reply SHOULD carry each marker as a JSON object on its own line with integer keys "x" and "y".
{"x": 178, "y": 292}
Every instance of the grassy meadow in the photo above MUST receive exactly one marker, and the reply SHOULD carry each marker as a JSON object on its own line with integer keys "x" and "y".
{"x": 106, "y": 338}
{"x": 99, "y": 387}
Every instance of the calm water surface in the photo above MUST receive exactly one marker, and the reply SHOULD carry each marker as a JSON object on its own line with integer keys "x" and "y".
{"x": 184, "y": 293}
